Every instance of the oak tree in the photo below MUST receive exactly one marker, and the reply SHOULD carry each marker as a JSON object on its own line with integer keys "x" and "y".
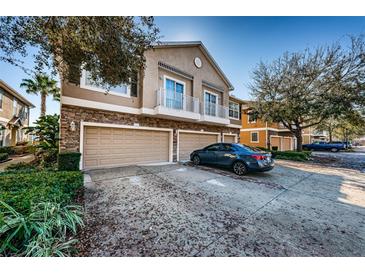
{"x": 110, "y": 48}
{"x": 303, "y": 89}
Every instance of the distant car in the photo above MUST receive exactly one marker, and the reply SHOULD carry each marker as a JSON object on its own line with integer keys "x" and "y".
{"x": 240, "y": 158}
{"x": 334, "y": 147}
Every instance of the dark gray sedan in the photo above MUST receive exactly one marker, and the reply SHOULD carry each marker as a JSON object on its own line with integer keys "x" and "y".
{"x": 240, "y": 158}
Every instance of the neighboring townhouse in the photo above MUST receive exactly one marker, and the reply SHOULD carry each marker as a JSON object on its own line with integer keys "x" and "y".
{"x": 311, "y": 135}
{"x": 14, "y": 115}
{"x": 179, "y": 103}
{"x": 258, "y": 133}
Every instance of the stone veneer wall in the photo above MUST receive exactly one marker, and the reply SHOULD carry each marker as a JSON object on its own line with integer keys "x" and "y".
{"x": 70, "y": 140}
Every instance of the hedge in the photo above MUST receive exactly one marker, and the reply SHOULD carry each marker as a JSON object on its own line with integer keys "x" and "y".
{"x": 9, "y": 150}
{"x": 21, "y": 190}
{"x": 69, "y": 161}
{"x": 289, "y": 154}
{"x": 292, "y": 155}
{"x": 4, "y": 157}
{"x": 21, "y": 167}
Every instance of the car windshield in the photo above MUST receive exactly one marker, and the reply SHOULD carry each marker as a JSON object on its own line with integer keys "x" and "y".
{"x": 247, "y": 148}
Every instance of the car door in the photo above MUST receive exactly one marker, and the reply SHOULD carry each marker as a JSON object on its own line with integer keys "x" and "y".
{"x": 226, "y": 155}
{"x": 208, "y": 155}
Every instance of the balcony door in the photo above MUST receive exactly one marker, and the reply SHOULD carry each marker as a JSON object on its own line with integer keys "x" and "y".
{"x": 174, "y": 93}
{"x": 210, "y": 103}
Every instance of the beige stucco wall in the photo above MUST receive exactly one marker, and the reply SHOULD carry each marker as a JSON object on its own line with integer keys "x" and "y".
{"x": 152, "y": 79}
{"x": 72, "y": 90}
{"x": 183, "y": 59}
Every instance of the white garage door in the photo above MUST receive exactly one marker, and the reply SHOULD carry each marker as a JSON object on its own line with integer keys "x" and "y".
{"x": 105, "y": 147}
{"x": 188, "y": 142}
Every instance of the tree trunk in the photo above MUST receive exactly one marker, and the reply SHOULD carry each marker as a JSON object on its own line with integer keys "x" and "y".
{"x": 330, "y": 135}
{"x": 298, "y": 135}
{"x": 43, "y": 104}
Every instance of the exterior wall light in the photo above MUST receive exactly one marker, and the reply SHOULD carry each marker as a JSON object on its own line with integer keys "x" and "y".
{"x": 72, "y": 126}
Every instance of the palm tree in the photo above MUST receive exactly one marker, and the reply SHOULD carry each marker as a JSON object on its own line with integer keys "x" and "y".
{"x": 43, "y": 85}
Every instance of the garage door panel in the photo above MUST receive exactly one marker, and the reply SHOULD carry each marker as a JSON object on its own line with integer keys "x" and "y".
{"x": 276, "y": 142}
{"x": 189, "y": 142}
{"x": 122, "y": 146}
{"x": 229, "y": 138}
{"x": 287, "y": 144}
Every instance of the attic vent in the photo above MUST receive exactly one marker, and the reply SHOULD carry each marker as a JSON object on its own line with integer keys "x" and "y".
{"x": 175, "y": 70}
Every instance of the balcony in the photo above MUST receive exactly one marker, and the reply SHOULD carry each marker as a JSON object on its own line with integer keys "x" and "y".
{"x": 214, "y": 114}
{"x": 172, "y": 104}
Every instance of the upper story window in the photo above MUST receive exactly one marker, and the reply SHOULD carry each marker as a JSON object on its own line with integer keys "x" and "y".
{"x": 234, "y": 110}
{"x": 15, "y": 107}
{"x": 1, "y": 99}
{"x": 252, "y": 117}
{"x": 210, "y": 103}
{"x": 86, "y": 82}
{"x": 175, "y": 91}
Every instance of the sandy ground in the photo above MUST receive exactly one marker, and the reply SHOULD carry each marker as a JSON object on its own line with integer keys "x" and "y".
{"x": 178, "y": 210}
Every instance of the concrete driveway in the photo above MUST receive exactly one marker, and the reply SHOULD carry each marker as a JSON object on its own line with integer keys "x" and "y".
{"x": 176, "y": 210}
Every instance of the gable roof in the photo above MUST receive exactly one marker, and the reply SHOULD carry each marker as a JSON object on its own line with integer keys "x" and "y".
{"x": 16, "y": 94}
{"x": 205, "y": 52}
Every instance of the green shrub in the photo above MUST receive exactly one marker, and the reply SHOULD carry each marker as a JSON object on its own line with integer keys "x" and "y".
{"x": 32, "y": 149}
{"x": 9, "y": 150}
{"x": 48, "y": 157}
{"x": 21, "y": 190}
{"x": 44, "y": 231}
{"x": 69, "y": 161}
{"x": 21, "y": 166}
{"x": 292, "y": 155}
{"x": 4, "y": 157}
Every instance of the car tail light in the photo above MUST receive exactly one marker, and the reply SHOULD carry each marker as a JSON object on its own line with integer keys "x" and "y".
{"x": 259, "y": 157}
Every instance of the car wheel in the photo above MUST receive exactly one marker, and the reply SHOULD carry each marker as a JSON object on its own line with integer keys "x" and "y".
{"x": 334, "y": 149}
{"x": 239, "y": 168}
{"x": 196, "y": 160}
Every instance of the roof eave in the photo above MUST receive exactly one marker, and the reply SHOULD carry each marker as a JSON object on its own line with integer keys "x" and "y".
{"x": 16, "y": 94}
{"x": 205, "y": 50}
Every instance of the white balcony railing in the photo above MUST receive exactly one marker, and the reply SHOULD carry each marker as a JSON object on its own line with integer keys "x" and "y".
{"x": 215, "y": 110}
{"x": 177, "y": 101}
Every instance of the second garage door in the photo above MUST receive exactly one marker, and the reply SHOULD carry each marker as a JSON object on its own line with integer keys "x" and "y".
{"x": 104, "y": 146}
{"x": 189, "y": 142}
{"x": 229, "y": 139}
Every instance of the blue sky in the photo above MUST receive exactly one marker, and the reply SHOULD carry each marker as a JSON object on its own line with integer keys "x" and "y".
{"x": 236, "y": 43}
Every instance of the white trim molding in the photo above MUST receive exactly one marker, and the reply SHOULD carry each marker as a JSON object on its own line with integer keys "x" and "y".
{"x": 94, "y": 124}
{"x": 231, "y": 134}
{"x": 178, "y": 131}
{"x": 234, "y": 126}
{"x": 264, "y": 128}
{"x": 98, "y": 105}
